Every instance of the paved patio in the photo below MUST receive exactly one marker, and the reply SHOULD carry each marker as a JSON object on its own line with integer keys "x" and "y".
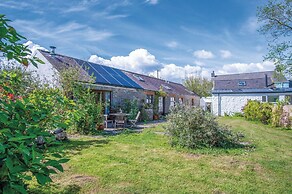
{"x": 139, "y": 127}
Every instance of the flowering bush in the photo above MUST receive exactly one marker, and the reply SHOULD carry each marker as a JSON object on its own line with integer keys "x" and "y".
{"x": 22, "y": 121}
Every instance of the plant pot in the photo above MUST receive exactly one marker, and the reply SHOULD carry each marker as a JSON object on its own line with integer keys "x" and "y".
{"x": 99, "y": 126}
{"x": 155, "y": 117}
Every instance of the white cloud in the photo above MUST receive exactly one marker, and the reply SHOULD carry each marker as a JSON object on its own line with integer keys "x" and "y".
{"x": 202, "y": 54}
{"x": 65, "y": 33}
{"x": 246, "y": 67}
{"x": 172, "y": 44}
{"x": 173, "y": 72}
{"x": 225, "y": 54}
{"x": 200, "y": 63}
{"x": 139, "y": 60}
{"x": 250, "y": 26}
{"x": 152, "y": 2}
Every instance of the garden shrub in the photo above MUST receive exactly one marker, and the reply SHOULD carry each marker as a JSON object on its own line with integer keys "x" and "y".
{"x": 22, "y": 121}
{"x": 276, "y": 112}
{"x": 257, "y": 111}
{"x": 194, "y": 128}
{"x": 131, "y": 107}
{"x": 251, "y": 110}
{"x": 88, "y": 110}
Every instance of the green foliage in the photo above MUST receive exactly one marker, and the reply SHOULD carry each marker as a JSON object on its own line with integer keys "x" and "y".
{"x": 23, "y": 136}
{"x": 277, "y": 112}
{"x": 156, "y": 104}
{"x": 275, "y": 18}
{"x": 22, "y": 121}
{"x": 88, "y": 110}
{"x": 11, "y": 46}
{"x": 131, "y": 107}
{"x": 194, "y": 128}
{"x": 238, "y": 114}
{"x": 257, "y": 111}
{"x": 199, "y": 85}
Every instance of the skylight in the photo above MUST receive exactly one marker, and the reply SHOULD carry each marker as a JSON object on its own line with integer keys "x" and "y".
{"x": 242, "y": 83}
{"x": 139, "y": 77}
{"x": 166, "y": 87}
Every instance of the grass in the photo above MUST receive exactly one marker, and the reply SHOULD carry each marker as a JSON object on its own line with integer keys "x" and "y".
{"x": 145, "y": 163}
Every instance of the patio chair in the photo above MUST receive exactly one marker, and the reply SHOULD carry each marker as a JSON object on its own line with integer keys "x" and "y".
{"x": 133, "y": 122}
{"x": 120, "y": 121}
{"x": 107, "y": 121}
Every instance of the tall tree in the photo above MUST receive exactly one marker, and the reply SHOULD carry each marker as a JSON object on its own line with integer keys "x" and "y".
{"x": 199, "y": 85}
{"x": 276, "y": 20}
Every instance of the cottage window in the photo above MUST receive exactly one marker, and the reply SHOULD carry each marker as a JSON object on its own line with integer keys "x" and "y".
{"x": 264, "y": 98}
{"x": 160, "y": 104}
{"x": 172, "y": 102}
{"x": 180, "y": 100}
{"x": 273, "y": 98}
{"x": 193, "y": 102}
{"x": 149, "y": 99}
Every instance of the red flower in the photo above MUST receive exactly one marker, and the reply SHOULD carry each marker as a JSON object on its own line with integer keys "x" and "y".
{"x": 10, "y": 96}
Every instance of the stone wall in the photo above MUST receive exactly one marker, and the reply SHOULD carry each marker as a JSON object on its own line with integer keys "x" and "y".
{"x": 286, "y": 116}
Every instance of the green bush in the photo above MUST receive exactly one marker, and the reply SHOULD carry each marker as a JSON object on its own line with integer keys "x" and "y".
{"x": 88, "y": 110}
{"x": 22, "y": 121}
{"x": 131, "y": 107}
{"x": 193, "y": 128}
{"x": 257, "y": 111}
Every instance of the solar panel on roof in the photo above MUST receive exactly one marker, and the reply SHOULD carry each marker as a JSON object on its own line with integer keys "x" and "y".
{"x": 108, "y": 75}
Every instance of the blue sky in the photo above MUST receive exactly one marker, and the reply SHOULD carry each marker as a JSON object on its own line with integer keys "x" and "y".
{"x": 176, "y": 37}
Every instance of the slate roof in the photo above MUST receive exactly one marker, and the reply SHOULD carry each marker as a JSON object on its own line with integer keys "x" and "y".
{"x": 149, "y": 83}
{"x": 154, "y": 84}
{"x": 256, "y": 82}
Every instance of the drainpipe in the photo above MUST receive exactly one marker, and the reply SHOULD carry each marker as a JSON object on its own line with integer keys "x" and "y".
{"x": 219, "y": 105}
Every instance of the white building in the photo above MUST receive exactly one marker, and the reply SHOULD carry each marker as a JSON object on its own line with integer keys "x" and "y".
{"x": 231, "y": 92}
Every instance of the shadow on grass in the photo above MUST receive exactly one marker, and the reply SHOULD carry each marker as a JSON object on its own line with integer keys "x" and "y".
{"x": 76, "y": 145}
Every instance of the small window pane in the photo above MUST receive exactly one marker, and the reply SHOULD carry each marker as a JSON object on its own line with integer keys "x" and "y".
{"x": 273, "y": 98}
{"x": 242, "y": 83}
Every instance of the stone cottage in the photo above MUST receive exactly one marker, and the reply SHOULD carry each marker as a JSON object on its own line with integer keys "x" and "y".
{"x": 114, "y": 85}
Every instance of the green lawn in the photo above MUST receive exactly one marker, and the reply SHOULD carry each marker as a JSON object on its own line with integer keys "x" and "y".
{"x": 145, "y": 163}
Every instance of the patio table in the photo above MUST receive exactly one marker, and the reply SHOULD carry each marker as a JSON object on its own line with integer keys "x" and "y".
{"x": 120, "y": 115}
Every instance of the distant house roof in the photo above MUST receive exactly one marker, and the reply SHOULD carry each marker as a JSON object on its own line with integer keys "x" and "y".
{"x": 112, "y": 76}
{"x": 154, "y": 84}
{"x": 256, "y": 82}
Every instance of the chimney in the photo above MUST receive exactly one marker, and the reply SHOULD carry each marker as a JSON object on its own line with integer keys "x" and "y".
{"x": 266, "y": 79}
{"x": 53, "y": 48}
{"x": 157, "y": 72}
{"x": 213, "y": 74}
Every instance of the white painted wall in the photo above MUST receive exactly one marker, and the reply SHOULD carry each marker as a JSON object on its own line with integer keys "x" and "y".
{"x": 232, "y": 103}
{"x": 46, "y": 72}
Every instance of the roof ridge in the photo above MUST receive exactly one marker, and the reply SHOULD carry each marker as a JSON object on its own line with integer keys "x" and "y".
{"x": 245, "y": 73}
